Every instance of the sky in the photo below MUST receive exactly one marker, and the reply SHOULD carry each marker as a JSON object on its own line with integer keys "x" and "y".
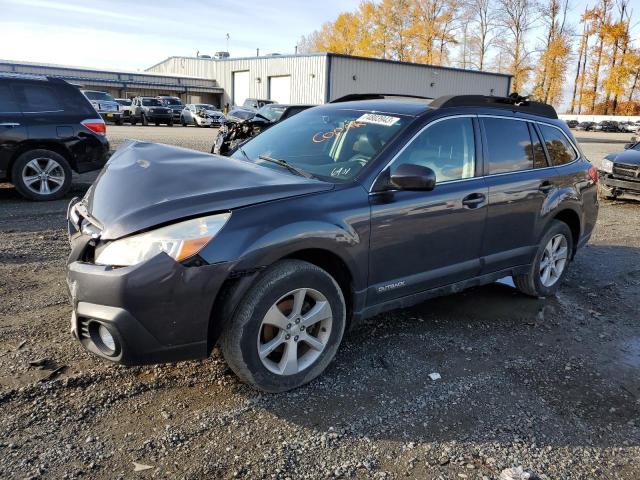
{"x": 133, "y": 35}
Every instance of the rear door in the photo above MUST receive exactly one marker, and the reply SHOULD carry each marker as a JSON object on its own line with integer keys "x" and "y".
{"x": 12, "y": 126}
{"x": 519, "y": 180}
{"x": 422, "y": 240}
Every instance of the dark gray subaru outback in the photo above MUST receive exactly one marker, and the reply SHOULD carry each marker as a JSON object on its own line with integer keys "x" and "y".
{"x": 341, "y": 212}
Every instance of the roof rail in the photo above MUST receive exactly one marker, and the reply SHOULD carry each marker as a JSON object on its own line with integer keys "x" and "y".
{"x": 23, "y": 76}
{"x": 513, "y": 102}
{"x": 375, "y": 96}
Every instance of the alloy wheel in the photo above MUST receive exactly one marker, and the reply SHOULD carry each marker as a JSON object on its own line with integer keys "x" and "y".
{"x": 295, "y": 331}
{"x": 554, "y": 260}
{"x": 43, "y": 176}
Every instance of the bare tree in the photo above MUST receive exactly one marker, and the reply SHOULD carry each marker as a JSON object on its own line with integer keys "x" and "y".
{"x": 582, "y": 52}
{"x": 516, "y": 19}
{"x": 482, "y": 18}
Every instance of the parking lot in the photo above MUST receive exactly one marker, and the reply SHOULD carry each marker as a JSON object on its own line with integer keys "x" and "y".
{"x": 552, "y": 385}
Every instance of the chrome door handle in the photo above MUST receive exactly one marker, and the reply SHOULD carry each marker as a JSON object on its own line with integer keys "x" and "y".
{"x": 9, "y": 124}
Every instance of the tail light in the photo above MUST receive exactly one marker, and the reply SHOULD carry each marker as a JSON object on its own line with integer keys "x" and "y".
{"x": 593, "y": 174}
{"x": 96, "y": 125}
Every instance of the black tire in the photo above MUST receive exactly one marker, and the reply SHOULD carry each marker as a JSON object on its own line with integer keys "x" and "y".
{"x": 184, "y": 124}
{"x": 170, "y": 124}
{"x": 119, "y": 121}
{"x": 145, "y": 121}
{"x": 531, "y": 283}
{"x": 133, "y": 121}
{"x": 20, "y": 165}
{"x": 157, "y": 124}
{"x": 605, "y": 193}
{"x": 239, "y": 340}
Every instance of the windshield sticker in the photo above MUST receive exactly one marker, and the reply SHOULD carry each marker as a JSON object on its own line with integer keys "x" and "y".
{"x": 385, "y": 120}
{"x": 340, "y": 171}
{"x": 324, "y": 136}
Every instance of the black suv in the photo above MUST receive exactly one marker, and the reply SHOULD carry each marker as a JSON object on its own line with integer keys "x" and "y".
{"x": 341, "y": 212}
{"x": 47, "y": 129}
{"x": 150, "y": 110}
{"x": 174, "y": 103}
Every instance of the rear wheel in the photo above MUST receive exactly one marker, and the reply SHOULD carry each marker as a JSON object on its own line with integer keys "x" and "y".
{"x": 287, "y": 329}
{"x": 170, "y": 123}
{"x": 119, "y": 121}
{"x": 41, "y": 175}
{"x": 184, "y": 124}
{"x": 550, "y": 264}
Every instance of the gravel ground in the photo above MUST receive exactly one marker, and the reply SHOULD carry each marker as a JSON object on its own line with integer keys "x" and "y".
{"x": 549, "y": 385}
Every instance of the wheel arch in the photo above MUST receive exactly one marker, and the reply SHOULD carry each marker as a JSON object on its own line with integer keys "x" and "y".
{"x": 571, "y": 218}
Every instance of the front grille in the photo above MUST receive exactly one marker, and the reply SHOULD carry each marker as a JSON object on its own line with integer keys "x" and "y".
{"x": 626, "y": 171}
{"x": 83, "y": 328}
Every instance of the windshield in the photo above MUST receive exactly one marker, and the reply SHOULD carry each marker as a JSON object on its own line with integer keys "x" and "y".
{"x": 98, "y": 96}
{"x": 328, "y": 143}
{"x": 172, "y": 101}
{"x": 242, "y": 114}
{"x": 205, "y": 106}
{"x": 124, "y": 102}
{"x": 151, "y": 102}
{"x": 271, "y": 112}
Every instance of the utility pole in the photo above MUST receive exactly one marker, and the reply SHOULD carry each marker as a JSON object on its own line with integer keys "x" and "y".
{"x": 227, "y": 42}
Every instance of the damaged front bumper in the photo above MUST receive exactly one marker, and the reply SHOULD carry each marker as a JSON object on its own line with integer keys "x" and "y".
{"x": 620, "y": 185}
{"x": 155, "y": 312}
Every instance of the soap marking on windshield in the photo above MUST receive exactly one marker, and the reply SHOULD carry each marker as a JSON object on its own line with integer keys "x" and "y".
{"x": 377, "y": 119}
{"x": 324, "y": 136}
{"x": 143, "y": 163}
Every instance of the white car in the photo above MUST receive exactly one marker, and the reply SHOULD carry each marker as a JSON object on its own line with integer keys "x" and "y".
{"x": 201, "y": 115}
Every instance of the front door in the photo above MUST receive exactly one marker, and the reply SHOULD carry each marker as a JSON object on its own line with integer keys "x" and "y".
{"x": 426, "y": 239}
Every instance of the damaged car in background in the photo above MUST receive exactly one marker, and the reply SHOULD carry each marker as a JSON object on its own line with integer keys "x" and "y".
{"x": 620, "y": 173}
{"x": 342, "y": 212}
{"x": 201, "y": 115}
{"x": 238, "y": 130}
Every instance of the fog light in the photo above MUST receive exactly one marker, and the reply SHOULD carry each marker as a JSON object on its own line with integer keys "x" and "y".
{"x": 106, "y": 338}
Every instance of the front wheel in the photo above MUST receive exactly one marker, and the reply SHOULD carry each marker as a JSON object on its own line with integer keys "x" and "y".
{"x": 550, "y": 263}
{"x": 145, "y": 121}
{"x": 184, "y": 124}
{"x": 288, "y": 327}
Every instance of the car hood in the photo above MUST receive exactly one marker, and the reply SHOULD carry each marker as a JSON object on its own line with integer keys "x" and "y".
{"x": 147, "y": 184}
{"x": 627, "y": 157}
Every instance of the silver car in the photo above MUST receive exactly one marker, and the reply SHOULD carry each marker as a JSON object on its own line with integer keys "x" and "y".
{"x": 201, "y": 115}
{"x": 105, "y": 105}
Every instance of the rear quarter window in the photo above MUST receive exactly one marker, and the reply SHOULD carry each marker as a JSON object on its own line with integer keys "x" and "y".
{"x": 8, "y": 103}
{"x": 509, "y": 145}
{"x": 53, "y": 99}
{"x": 560, "y": 150}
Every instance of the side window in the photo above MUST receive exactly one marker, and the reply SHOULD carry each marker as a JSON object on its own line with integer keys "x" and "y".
{"x": 8, "y": 102}
{"x": 508, "y": 145}
{"x": 539, "y": 159}
{"x": 559, "y": 148}
{"x": 40, "y": 98}
{"x": 447, "y": 147}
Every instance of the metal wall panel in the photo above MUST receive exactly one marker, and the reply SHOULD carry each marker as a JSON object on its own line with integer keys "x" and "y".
{"x": 308, "y": 74}
{"x": 352, "y": 75}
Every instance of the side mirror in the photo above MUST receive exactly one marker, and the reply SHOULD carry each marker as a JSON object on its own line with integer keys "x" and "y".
{"x": 627, "y": 146}
{"x": 409, "y": 176}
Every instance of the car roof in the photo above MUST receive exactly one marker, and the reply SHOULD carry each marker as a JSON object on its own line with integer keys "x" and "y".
{"x": 410, "y": 107}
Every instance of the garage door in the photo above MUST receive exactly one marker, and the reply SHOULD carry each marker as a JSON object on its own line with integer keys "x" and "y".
{"x": 280, "y": 89}
{"x": 240, "y": 87}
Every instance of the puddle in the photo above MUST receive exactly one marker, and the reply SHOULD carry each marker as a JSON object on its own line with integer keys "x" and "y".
{"x": 508, "y": 281}
{"x": 630, "y": 352}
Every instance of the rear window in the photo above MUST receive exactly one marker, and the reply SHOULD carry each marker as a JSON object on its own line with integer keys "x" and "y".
{"x": 8, "y": 102}
{"x": 559, "y": 148}
{"x": 41, "y": 98}
{"x": 104, "y": 96}
{"x": 508, "y": 144}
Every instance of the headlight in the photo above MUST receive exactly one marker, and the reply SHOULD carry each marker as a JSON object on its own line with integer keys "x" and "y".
{"x": 179, "y": 241}
{"x": 606, "y": 165}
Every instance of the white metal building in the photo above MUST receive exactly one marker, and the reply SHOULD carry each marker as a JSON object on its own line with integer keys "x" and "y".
{"x": 319, "y": 78}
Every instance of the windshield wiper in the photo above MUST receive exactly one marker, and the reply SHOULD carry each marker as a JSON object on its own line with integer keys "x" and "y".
{"x": 287, "y": 165}
{"x": 244, "y": 153}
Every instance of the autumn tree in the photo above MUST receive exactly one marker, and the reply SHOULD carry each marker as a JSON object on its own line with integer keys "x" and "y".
{"x": 551, "y": 66}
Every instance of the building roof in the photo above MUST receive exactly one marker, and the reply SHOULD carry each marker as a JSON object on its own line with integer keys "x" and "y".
{"x": 335, "y": 55}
